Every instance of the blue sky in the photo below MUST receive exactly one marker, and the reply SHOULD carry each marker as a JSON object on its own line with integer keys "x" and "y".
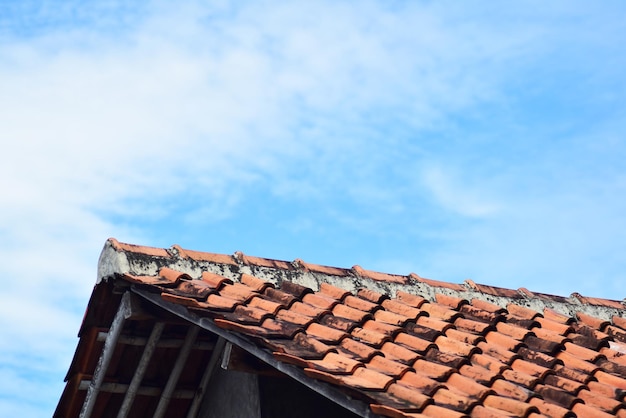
{"x": 451, "y": 139}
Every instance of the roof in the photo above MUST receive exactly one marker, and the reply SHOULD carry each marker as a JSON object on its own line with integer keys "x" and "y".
{"x": 398, "y": 346}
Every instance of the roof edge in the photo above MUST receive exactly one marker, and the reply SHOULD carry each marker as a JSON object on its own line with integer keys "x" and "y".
{"x": 121, "y": 258}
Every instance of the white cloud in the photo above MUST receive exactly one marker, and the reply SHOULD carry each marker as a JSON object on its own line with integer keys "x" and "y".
{"x": 128, "y": 112}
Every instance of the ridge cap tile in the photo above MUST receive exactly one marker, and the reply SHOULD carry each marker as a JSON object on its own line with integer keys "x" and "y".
{"x": 205, "y": 256}
{"x": 318, "y": 268}
{"x": 138, "y": 249}
{"x": 378, "y": 276}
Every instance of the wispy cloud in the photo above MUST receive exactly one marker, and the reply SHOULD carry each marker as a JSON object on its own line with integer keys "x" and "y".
{"x": 452, "y": 139}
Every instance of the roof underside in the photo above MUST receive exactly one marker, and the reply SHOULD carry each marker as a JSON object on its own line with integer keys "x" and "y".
{"x": 372, "y": 342}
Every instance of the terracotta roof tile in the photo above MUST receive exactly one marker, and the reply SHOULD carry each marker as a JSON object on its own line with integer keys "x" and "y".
{"x": 452, "y": 346}
{"x": 423, "y": 383}
{"x": 215, "y": 280}
{"x": 195, "y": 289}
{"x": 619, "y": 321}
{"x": 436, "y": 411}
{"x": 512, "y": 406}
{"x": 382, "y": 277}
{"x": 437, "y": 283}
{"x": 413, "y": 343}
{"x": 447, "y": 359}
{"x": 391, "y": 318}
{"x": 522, "y": 311}
{"x": 538, "y": 358}
{"x": 511, "y": 390}
{"x": 356, "y": 350}
{"x": 308, "y": 310}
{"x": 301, "y": 346}
{"x": 433, "y": 370}
{"x": 410, "y": 299}
{"x": 551, "y": 325}
{"x": 480, "y": 374}
{"x": 451, "y": 301}
{"x": 551, "y": 409}
{"x": 266, "y": 305}
{"x": 325, "y": 334}
{"x": 464, "y": 337}
{"x": 434, "y": 323}
{"x": 513, "y": 331}
{"x": 600, "y": 401}
{"x": 336, "y": 322}
{"x": 336, "y": 364}
{"x": 532, "y": 369}
{"x": 504, "y": 341}
{"x": 372, "y": 296}
{"x": 403, "y": 353}
{"x": 294, "y": 289}
{"x": 520, "y": 378}
{"x": 616, "y": 333}
{"x": 203, "y": 256}
{"x": 382, "y": 328}
{"x": 469, "y": 386}
{"x": 352, "y": 314}
{"x": 472, "y": 326}
{"x": 587, "y": 411}
{"x": 553, "y": 315}
{"x": 132, "y": 248}
{"x": 439, "y": 311}
{"x": 316, "y": 268}
{"x": 254, "y": 283}
{"x": 454, "y": 400}
{"x": 497, "y": 352}
{"x": 238, "y": 292}
{"x": 263, "y": 262}
{"x": 387, "y": 366}
{"x": 294, "y": 317}
{"x": 370, "y": 337}
{"x": 403, "y": 309}
{"x": 489, "y": 363}
{"x": 399, "y": 353}
{"x": 279, "y": 296}
{"x": 319, "y": 301}
{"x": 360, "y": 304}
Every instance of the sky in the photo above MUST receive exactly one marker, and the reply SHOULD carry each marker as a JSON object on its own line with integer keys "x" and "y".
{"x": 455, "y": 140}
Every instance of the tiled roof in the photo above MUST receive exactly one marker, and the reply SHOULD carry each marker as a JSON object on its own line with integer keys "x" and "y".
{"x": 404, "y": 345}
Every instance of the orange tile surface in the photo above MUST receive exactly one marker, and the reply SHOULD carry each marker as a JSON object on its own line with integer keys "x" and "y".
{"x": 408, "y": 355}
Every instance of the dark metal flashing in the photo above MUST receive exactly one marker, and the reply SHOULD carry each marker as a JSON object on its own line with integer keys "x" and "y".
{"x": 356, "y": 406}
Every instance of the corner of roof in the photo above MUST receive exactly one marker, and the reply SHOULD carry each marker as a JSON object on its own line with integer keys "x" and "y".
{"x": 112, "y": 260}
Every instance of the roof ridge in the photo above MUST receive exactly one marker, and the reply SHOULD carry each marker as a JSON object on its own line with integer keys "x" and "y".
{"x": 122, "y": 258}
